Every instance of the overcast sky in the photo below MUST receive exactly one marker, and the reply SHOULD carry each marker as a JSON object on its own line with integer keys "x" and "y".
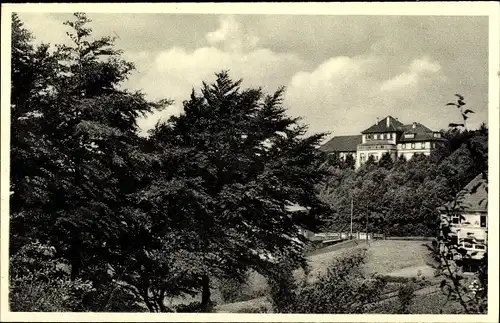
{"x": 341, "y": 72}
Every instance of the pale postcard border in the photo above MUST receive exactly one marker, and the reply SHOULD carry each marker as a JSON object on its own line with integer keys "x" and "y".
{"x": 490, "y": 9}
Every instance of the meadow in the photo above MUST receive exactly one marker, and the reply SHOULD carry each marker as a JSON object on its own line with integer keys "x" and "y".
{"x": 397, "y": 258}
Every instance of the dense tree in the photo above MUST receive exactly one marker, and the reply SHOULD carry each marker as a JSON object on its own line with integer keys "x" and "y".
{"x": 76, "y": 153}
{"x": 242, "y": 165}
{"x": 386, "y": 161}
{"x": 106, "y": 219}
{"x": 402, "y": 199}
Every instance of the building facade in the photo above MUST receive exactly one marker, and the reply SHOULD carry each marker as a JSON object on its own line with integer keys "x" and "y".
{"x": 468, "y": 219}
{"x": 386, "y": 136}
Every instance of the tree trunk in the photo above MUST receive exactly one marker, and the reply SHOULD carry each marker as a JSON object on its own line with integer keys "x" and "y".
{"x": 146, "y": 300}
{"x": 159, "y": 300}
{"x": 205, "y": 294}
{"x": 75, "y": 262}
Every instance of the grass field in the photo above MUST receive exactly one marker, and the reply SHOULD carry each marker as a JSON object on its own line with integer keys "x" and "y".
{"x": 384, "y": 257}
{"x": 388, "y": 257}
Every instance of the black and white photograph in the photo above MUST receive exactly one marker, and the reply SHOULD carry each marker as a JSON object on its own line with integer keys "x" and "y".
{"x": 250, "y": 162}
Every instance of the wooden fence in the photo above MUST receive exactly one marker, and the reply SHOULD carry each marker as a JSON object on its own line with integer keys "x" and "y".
{"x": 338, "y": 236}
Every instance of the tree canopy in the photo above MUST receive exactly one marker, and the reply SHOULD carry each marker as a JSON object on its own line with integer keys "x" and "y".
{"x": 220, "y": 189}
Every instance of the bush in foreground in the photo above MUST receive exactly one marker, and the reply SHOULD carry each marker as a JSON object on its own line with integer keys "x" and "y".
{"x": 343, "y": 289}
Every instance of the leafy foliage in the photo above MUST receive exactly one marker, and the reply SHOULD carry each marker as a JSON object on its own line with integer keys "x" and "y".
{"x": 40, "y": 282}
{"x": 146, "y": 219}
{"x": 452, "y": 257}
{"x": 343, "y": 289}
{"x": 76, "y": 155}
{"x": 240, "y": 164}
{"x": 401, "y": 198}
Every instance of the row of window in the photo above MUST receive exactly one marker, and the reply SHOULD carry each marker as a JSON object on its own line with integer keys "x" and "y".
{"x": 390, "y": 135}
{"x": 377, "y": 147}
{"x": 417, "y": 145}
{"x": 455, "y": 219}
{"x": 380, "y": 136}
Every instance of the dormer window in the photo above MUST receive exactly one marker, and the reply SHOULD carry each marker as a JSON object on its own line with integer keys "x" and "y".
{"x": 409, "y": 135}
{"x": 437, "y": 135}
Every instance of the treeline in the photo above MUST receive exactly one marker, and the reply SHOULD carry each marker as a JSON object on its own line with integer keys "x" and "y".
{"x": 401, "y": 198}
{"x": 102, "y": 219}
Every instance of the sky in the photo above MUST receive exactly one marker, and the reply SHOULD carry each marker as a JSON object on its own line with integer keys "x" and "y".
{"x": 341, "y": 73}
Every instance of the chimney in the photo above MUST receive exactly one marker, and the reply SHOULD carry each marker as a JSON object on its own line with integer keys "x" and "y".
{"x": 377, "y": 120}
{"x": 388, "y": 122}
{"x": 414, "y": 125}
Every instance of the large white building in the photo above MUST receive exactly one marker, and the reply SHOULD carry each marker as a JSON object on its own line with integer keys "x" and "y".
{"x": 388, "y": 135}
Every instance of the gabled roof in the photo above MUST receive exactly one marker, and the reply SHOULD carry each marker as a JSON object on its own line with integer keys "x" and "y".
{"x": 381, "y": 126}
{"x": 342, "y": 144}
{"x": 418, "y": 128}
{"x": 474, "y": 196}
{"x": 422, "y": 133}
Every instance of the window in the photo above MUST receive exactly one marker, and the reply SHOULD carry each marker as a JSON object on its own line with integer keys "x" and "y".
{"x": 409, "y": 135}
{"x": 404, "y": 146}
{"x": 376, "y": 157}
{"x": 454, "y": 240}
{"x": 412, "y": 145}
{"x": 480, "y": 247}
{"x": 483, "y": 221}
{"x": 362, "y": 157}
{"x": 455, "y": 219}
{"x": 437, "y": 135}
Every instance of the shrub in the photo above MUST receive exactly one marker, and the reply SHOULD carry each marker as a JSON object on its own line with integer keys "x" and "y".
{"x": 251, "y": 286}
{"x": 230, "y": 289}
{"x": 343, "y": 289}
{"x": 406, "y": 294}
{"x": 40, "y": 282}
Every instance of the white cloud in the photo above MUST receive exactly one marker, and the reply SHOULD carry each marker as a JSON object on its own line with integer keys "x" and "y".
{"x": 418, "y": 71}
{"x": 174, "y": 72}
{"x": 338, "y": 78}
{"x": 343, "y": 93}
{"x": 232, "y": 36}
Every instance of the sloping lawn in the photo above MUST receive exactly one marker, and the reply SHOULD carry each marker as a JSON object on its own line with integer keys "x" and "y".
{"x": 384, "y": 257}
{"x": 394, "y": 257}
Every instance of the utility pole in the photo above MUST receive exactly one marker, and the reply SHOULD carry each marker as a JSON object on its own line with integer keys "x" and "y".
{"x": 366, "y": 226}
{"x": 352, "y": 207}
